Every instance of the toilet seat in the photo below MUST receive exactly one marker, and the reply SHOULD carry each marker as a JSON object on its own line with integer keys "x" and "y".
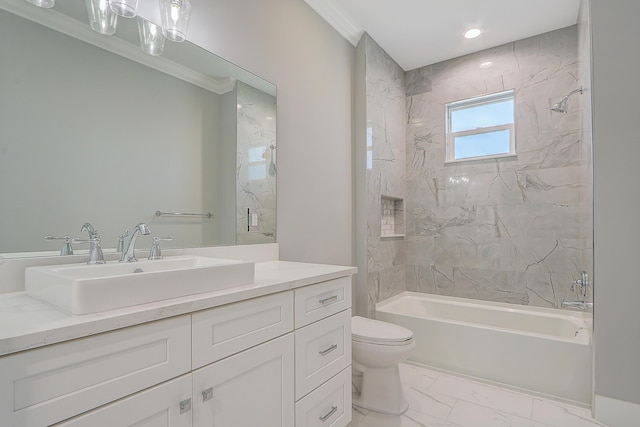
{"x": 379, "y": 333}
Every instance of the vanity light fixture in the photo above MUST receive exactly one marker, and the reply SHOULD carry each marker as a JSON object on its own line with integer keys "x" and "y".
{"x": 175, "y": 18}
{"x": 101, "y": 18}
{"x": 124, "y": 8}
{"x": 472, "y": 33}
{"x": 151, "y": 37}
{"x": 47, "y": 4}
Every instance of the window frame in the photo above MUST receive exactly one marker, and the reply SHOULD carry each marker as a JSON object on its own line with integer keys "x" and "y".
{"x": 475, "y": 102}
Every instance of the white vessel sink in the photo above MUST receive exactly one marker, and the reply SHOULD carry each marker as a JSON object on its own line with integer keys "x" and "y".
{"x": 82, "y": 289}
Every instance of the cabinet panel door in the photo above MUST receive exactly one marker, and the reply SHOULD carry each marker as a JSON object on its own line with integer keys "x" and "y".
{"x": 50, "y": 384}
{"x": 252, "y": 388}
{"x": 166, "y": 405}
{"x": 223, "y": 331}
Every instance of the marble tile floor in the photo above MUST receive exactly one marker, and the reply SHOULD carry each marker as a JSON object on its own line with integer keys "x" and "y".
{"x": 444, "y": 400}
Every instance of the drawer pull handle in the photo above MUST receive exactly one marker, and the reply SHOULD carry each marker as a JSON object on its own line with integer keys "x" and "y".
{"x": 207, "y": 394}
{"x": 331, "y": 412}
{"x": 329, "y": 350}
{"x": 185, "y": 406}
{"x": 328, "y": 300}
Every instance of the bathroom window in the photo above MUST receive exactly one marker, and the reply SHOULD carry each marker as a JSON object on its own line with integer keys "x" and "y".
{"x": 481, "y": 128}
{"x": 257, "y": 163}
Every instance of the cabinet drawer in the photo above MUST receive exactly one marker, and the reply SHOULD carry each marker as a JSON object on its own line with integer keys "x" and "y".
{"x": 223, "y": 331}
{"x": 321, "y": 300}
{"x": 50, "y": 384}
{"x": 161, "y": 406}
{"x": 322, "y": 350}
{"x": 327, "y": 406}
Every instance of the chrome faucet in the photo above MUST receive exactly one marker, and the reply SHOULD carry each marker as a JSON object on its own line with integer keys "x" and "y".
{"x": 581, "y": 286}
{"x": 129, "y": 242}
{"x": 93, "y": 233}
{"x": 95, "y": 250}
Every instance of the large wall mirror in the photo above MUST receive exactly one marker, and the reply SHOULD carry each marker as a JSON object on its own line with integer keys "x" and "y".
{"x": 94, "y": 130}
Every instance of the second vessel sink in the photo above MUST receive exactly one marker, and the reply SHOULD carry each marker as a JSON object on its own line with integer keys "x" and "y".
{"x": 83, "y": 289}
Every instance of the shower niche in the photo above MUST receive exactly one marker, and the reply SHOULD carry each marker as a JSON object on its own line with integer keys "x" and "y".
{"x": 391, "y": 217}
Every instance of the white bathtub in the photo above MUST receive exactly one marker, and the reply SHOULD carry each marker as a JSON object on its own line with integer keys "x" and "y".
{"x": 541, "y": 350}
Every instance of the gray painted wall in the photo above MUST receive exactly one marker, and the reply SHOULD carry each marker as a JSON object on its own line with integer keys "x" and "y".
{"x": 616, "y": 93}
{"x": 287, "y": 43}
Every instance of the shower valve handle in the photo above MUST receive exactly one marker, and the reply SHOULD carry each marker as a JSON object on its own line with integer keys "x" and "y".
{"x": 581, "y": 283}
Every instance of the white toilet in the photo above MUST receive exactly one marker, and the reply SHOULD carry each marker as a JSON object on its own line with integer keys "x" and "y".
{"x": 377, "y": 348}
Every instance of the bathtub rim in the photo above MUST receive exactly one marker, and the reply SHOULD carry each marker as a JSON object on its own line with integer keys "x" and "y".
{"x": 582, "y": 320}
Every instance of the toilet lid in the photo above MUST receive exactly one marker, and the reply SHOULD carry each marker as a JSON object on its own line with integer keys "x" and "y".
{"x": 377, "y": 332}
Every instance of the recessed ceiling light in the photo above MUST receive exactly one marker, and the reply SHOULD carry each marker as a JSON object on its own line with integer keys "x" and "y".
{"x": 473, "y": 33}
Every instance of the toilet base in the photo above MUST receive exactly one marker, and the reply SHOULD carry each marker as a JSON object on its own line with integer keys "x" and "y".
{"x": 381, "y": 391}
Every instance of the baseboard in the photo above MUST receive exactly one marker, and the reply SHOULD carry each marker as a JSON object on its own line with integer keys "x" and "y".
{"x": 616, "y": 413}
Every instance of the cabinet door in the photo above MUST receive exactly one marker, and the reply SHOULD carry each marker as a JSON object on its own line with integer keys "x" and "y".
{"x": 252, "y": 388}
{"x": 166, "y": 405}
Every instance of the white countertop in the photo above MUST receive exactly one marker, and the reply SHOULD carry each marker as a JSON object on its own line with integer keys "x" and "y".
{"x": 27, "y": 323}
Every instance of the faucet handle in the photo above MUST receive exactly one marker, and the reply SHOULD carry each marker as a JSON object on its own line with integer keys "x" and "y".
{"x": 121, "y": 241}
{"x": 67, "y": 249}
{"x": 155, "y": 252}
{"x": 96, "y": 256}
{"x": 581, "y": 284}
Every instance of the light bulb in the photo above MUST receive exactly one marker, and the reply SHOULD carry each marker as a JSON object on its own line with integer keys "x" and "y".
{"x": 175, "y": 18}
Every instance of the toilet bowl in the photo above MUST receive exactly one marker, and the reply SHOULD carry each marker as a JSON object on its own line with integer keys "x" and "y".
{"x": 377, "y": 348}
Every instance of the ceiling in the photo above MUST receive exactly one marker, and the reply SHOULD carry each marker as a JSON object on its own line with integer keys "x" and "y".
{"x": 416, "y": 33}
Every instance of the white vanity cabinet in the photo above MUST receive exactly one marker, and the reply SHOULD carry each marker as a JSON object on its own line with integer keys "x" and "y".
{"x": 277, "y": 360}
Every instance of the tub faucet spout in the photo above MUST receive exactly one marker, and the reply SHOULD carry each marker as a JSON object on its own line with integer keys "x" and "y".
{"x": 129, "y": 242}
{"x": 578, "y": 305}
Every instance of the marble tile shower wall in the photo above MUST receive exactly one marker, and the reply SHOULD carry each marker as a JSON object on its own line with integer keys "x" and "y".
{"x": 386, "y": 123}
{"x": 584, "y": 102}
{"x": 256, "y": 165}
{"x": 511, "y": 230}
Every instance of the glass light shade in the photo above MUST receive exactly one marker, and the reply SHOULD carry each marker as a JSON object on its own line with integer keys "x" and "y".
{"x": 47, "y": 4}
{"x": 151, "y": 37}
{"x": 101, "y": 18}
{"x": 124, "y": 8}
{"x": 175, "y": 18}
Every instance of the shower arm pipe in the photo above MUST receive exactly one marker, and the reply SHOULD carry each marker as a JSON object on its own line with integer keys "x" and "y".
{"x": 580, "y": 89}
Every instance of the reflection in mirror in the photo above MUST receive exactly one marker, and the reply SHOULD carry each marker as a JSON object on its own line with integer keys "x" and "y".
{"x": 91, "y": 136}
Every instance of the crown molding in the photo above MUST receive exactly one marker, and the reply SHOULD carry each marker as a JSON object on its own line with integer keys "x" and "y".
{"x": 337, "y": 20}
{"x": 82, "y": 31}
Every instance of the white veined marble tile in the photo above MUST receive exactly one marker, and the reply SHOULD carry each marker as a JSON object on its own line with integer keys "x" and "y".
{"x": 471, "y": 415}
{"x": 410, "y": 419}
{"x": 557, "y": 414}
{"x": 425, "y": 401}
{"x": 449, "y": 388}
{"x": 483, "y": 394}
